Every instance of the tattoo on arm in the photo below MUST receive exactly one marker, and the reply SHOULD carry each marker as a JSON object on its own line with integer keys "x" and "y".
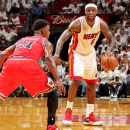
{"x": 108, "y": 35}
{"x": 48, "y": 48}
{"x": 75, "y": 26}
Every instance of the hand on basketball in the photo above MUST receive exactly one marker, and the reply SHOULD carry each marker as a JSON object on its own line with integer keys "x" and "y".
{"x": 108, "y": 53}
{"x": 60, "y": 87}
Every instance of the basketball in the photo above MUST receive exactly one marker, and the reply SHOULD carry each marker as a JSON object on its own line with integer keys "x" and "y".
{"x": 109, "y": 62}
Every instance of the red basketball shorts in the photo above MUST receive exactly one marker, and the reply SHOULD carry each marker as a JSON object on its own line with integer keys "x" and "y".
{"x": 26, "y": 72}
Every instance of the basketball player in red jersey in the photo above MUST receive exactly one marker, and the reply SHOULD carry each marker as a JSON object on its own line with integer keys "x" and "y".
{"x": 82, "y": 58}
{"x": 22, "y": 68}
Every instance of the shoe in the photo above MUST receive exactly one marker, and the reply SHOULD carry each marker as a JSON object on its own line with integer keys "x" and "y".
{"x": 52, "y": 127}
{"x": 91, "y": 120}
{"x": 67, "y": 118}
{"x": 115, "y": 95}
{"x": 111, "y": 96}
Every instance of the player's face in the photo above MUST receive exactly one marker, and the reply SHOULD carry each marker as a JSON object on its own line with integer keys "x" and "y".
{"x": 91, "y": 13}
{"x": 46, "y": 31}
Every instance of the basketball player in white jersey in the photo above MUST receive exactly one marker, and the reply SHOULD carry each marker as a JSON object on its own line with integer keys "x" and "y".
{"x": 82, "y": 58}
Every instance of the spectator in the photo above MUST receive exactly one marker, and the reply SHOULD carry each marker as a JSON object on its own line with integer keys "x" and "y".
{"x": 45, "y": 2}
{"x": 121, "y": 52}
{"x": 117, "y": 28}
{"x": 128, "y": 21}
{"x": 118, "y": 9}
{"x": 116, "y": 54}
{"x": 22, "y": 10}
{"x": 128, "y": 78}
{"x": 14, "y": 9}
{"x": 41, "y": 3}
{"x": 71, "y": 5}
{"x": 27, "y": 5}
{"x": 26, "y": 93}
{"x": 114, "y": 29}
{"x": 83, "y": 92}
{"x": 124, "y": 20}
{"x": 105, "y": 4}
{"x": 100, "y": 1}
{"x": 48, "y": 9}
{"x": 37, "y": 11}
{"x": 109, "y": 8}
{"x": 115, "y": 86}
{"x": 128, "y": 53}
{"x": 3, "y": 41}
{"x": 9, "y": 35}
{"x": 104, "y": 44}
{"x": 59, "y": 68}
{"x": 83, "y": 8}
{"x": 63, "y": 67}
{"x": 121, "y": 72}
{"x": 15, "y": 1}
{"x": 3, "y": 14}
{"x": 114, "y": 3}
{"x": 98, "y": 58}
{"x": 80, "y": 4}
{"x": 67, "y": 9}
{"x": 123, "y": 37}
{"x": 66, "y": 79}
{"x": 99, "y": 70}
{"x": 17, "y": 92}
{"x": 76, "y": 9}
{"x": 2, "y": 31}
{"x": 7, "y": 5}
{"x": 127, "y": 29}
{"x": 127, "y": 8}
{"x": 100, "y": 9}
{"x": 99, "y": 50}
{"x": 14, "y": 29}
{"x": 15, "y": 19}
{"x": 128, "y": 41}
{"x": 113, "y": 33}
{"x": 118, "y": 41}
{"x": 2, "y": 23}
{"x": 9, "y": 22}
{"x": 123, "y": 3}
{"x": 105, "y": 77}
{"x": 20, "y": 2}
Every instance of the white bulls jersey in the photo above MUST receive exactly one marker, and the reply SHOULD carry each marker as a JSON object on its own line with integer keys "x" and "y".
{"x": 84, "y": 42}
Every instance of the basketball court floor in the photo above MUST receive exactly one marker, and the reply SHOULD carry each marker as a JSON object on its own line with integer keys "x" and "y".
{"x": 31, "y": 114}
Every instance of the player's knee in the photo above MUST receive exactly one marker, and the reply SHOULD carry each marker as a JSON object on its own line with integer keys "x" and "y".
{"x": 76, "y": 83}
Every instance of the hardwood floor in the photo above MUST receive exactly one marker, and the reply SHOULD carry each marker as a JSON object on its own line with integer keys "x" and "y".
{"x": 31, "y": 114}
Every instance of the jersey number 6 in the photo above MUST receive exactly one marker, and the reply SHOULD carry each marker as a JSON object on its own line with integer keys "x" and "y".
{"x": 92, "y": 41}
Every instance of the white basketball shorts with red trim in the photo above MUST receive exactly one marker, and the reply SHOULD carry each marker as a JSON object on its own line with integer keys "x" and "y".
{"x": 83, "y": 67}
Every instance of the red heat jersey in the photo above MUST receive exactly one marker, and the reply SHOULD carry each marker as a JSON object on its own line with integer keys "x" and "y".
{"x": 31, "y": 47}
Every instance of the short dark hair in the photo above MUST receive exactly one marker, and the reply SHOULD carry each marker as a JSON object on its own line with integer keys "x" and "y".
{"x": 40, "y": 23}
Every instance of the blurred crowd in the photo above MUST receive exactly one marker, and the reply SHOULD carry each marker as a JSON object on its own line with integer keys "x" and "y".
{"x": 78, "y": 6}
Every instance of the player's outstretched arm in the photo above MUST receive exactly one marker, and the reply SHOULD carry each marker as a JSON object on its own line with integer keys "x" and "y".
{"x": 48, "y": 48}
{"x": 108, "y": 35}
{"x": 6, "y": 53}
{"x": 75, "y": 26}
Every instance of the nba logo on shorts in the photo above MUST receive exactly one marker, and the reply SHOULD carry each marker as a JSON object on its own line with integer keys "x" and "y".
{"x": 74, "y": 73}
